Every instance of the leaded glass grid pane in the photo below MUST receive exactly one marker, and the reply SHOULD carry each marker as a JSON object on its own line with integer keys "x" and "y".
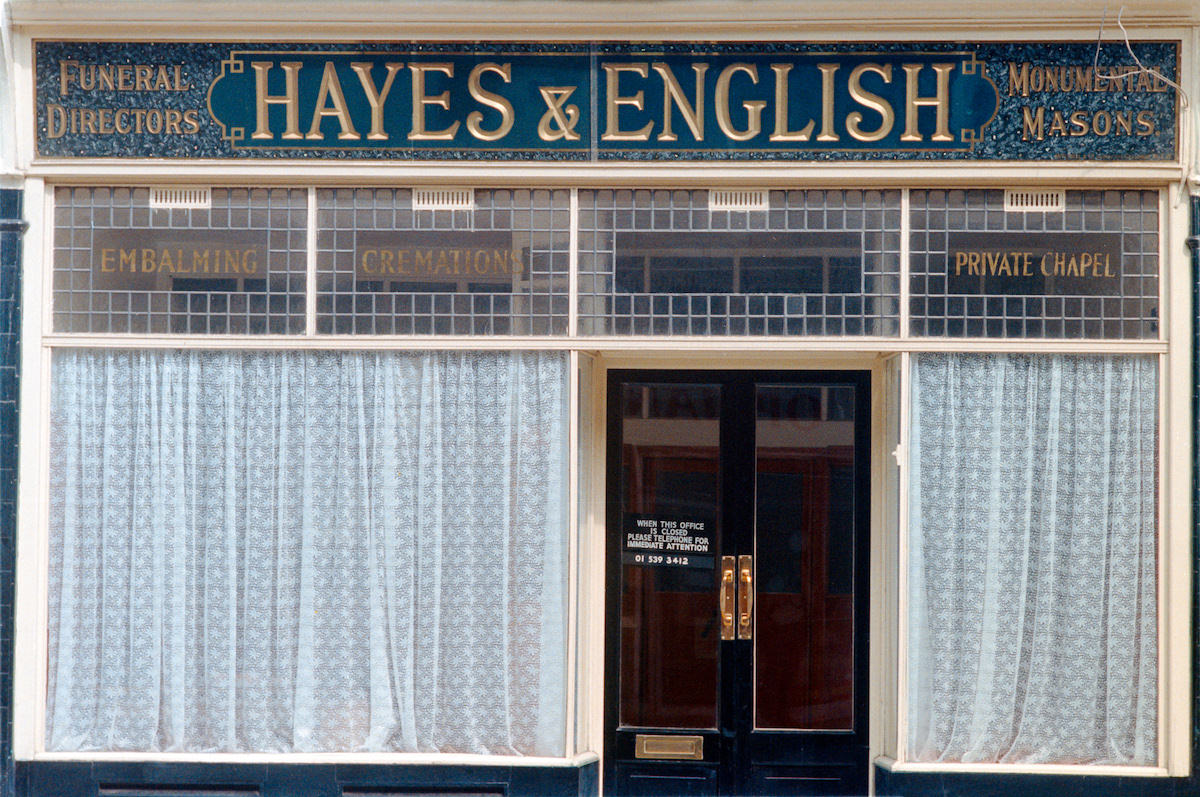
{"x": 386, "y": 268}
{"x": 1070, "y": 299}
{"x": 815, "y": 263}
{"x": 236, "y": 267}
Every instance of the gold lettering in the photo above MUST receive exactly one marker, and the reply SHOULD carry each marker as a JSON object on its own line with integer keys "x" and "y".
{"x": 1084, "y": 78}
{"x": 1086, "y": 261}
{"x": 693, "y": 115}
{"x": 289, "y": 99}
{"x": 1079, "y": 123}
{"x": 376, "y": 97}
{"x": 612, "y": 131}
{"x": 1018, "y": 79}
{"x": 491, "y": 100}
{"x": 331, "y": 89}
{"x": 872, "y": 101}
{"x": 1033, "y": 124}
{"x": 781, "y": 109}
{"x": 753, "y": 108}
{"x": 827, "y": 73}
{"x": 142, "y": 76}
{"x": 1124, "y": 120}
{"x": 1145, "y": 123}
{"x": 56, "y": 120}
{"x": 1058, "y": 125}
{"x": 420, "y": 99}
{"x": 940, "y": 101}
{"x": 162, "y": 78}
{"x": 68, "y": 73}
{"x": 368, "y": 266}
{"x": 106, "y": 260}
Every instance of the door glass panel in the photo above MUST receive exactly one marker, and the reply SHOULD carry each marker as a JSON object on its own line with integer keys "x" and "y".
{"x": 804, "y": 532}
{"x": 669, "y": 539}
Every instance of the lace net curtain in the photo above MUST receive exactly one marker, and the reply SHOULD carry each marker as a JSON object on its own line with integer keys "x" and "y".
{"x": 1032, "y": 559}
{"x": 310, "y": 551}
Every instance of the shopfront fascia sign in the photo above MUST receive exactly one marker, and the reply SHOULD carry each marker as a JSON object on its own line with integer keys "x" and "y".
{"x": 615, "y": 101}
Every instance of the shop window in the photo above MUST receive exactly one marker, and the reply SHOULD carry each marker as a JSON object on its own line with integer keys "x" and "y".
{"x": 811, "y": 263}
{"x": 307, "y": 552}
{"x": 498, "y": 268}
{"x": 233, "y": 265}
{"x": 1032, "y": 559}
{"x": 1087, "y": 271}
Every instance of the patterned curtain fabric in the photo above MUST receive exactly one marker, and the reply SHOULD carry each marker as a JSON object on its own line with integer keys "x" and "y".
{"x": 308, "y": 551}
{"x": 1032, "y": 592}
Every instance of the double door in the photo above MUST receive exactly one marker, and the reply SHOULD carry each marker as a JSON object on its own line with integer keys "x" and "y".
{"x": 737, "y": 568}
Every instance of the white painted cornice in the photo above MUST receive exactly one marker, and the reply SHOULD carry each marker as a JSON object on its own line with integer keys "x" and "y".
{"x": 587, "y": 19}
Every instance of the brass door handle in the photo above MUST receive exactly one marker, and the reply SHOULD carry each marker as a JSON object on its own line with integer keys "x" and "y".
{"x": 745, "y": 628}
{"x": 728, "y": 563}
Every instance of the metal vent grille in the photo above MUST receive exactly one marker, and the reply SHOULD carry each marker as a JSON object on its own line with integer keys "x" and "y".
{"x": 737, "y": 200}
{"x": 443, "y": 199}
{"x": 181, "y": 196}
{"x": 1018, "y": 201}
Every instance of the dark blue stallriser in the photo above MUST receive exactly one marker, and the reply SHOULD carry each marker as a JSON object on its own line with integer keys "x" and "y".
{"x": 142, "y": 779}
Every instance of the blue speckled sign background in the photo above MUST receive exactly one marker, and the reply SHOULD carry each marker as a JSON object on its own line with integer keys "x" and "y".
{"x": 1036, "y": 101}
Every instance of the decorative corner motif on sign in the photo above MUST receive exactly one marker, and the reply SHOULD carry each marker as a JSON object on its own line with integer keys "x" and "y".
{"x": 232, "y": 135}
{"x": 973, "y": 66}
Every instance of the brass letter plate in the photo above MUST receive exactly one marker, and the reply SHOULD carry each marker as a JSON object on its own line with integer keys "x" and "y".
{"x": 683, "y": 748}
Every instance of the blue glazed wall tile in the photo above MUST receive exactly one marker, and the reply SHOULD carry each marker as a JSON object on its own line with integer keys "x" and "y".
{"x": 10, "y": 325}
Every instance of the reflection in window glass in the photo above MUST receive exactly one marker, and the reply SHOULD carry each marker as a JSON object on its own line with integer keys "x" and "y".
{"x": 815, "y": 263}
{"x": 1089, "y": 271}
{"x": 386, "y": 268}
{"x": 804, "y": 548}
{"x": 670, "y": 439}
{"x": 236, "y": 266}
